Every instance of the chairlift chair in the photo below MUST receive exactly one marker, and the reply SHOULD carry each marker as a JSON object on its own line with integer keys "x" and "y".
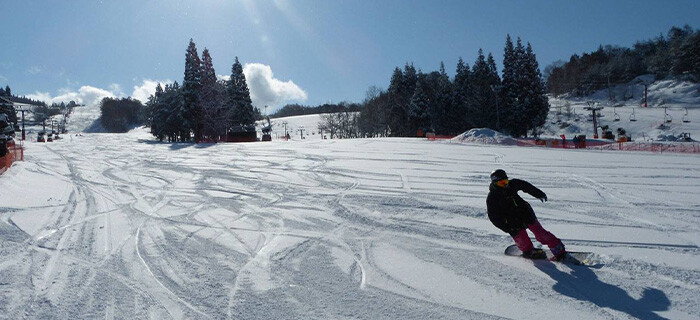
{"x": 632, "y": 117}
{"x": 685, "y": 116}
{"x": 667, "y": 117}
{"x": 617, "y": 116}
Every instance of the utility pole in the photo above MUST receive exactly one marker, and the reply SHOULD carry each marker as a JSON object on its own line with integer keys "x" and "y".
{"x": 284, "y": 123}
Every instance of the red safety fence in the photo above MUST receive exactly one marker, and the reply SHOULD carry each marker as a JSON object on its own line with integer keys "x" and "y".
{"x": 432, "y": 137}
{"x": 563, "y": 144}
{"x": 14, "y": 153}
{"x": 660, "y": 147}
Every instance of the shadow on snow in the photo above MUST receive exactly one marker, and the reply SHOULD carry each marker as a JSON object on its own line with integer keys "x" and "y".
{"x": 583, "y": 284}
{"x": 177, "y": 145}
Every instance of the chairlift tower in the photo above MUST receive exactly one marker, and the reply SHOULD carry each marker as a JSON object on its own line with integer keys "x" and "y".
{"x": 285, "y": 123}
{"x": 594, "y": 110}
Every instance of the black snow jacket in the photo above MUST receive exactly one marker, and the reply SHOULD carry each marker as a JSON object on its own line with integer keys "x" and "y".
{"x": 507, "y": 210}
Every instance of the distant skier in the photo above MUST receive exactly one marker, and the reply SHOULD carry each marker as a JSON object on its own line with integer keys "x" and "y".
{"x": 510, "y": 213}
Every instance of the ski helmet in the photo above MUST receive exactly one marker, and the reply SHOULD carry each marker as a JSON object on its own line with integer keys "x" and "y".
{"x": 498, "y": 174}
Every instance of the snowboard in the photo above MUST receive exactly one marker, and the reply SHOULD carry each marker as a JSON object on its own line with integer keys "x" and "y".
{"x": 588, "y": 259}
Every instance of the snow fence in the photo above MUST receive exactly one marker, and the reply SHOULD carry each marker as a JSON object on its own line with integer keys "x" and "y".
{"x": 13, "y": 153}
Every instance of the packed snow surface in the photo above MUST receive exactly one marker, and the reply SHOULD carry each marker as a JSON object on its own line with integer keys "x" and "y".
{"x": 120, "y": 226}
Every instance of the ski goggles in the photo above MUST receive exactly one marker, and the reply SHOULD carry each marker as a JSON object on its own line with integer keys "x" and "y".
{"x": 502, "y": 183}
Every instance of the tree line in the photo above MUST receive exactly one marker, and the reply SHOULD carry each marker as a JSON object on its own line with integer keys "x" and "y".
{"x": 121, "y": 115}
{"x": 203, "y": 108}
{"x": 418, "y": 102}
{"x": 676, "y": 54}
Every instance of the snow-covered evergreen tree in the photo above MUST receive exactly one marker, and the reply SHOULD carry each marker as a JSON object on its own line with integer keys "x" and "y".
{"x": 418, "y": 110}
{"x": 165, "y": 111}
{"x": 440, "y": 111}
{"x": 536, "y": 103}
{"x": 492, "y": 113}
{"x": 192, "y": 110}
{"x": 509, "y": 88}
{"x": 398, "y": 115}
{"x": 214, "y": 116}
{"x": 153, "y": 119}
{"x": 482, "y": 105}
{"x": 461, "y": 92}
{"x": 243, "y": 113}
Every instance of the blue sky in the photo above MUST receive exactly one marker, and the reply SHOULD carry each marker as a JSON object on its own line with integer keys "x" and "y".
{"x": 306, "y": 51}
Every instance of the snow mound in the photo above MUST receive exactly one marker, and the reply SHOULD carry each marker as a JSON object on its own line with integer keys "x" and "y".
{"x": 485, "y": 136}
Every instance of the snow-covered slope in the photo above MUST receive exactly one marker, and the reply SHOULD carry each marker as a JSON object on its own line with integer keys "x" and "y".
{"x": 117, "y": 225}
{"x": 680, "y": 99}
{"x": 84, "y": 119}
{"x": 295, "y": 126}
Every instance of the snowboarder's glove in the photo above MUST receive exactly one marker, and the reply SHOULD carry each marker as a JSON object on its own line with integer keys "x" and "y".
{"x": 543, "y": 198}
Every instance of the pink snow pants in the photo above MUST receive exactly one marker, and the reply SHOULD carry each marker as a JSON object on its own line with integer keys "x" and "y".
{"x": 522, "y": 240}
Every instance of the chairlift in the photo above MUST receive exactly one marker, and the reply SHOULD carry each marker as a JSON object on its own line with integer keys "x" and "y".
{"x": 617, "y": 116}
{"x": 667, "y": 117}
{"x": 685, "y": 117}
{"x": 632, "y": 117}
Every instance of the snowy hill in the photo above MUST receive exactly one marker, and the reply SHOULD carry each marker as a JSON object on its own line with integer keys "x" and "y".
{"x": 84, "y": 119}
{"x": 295, "y": 126}
{"x": 680, "y": 99}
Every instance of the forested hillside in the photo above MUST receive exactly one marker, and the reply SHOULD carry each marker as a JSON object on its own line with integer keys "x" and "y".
{"x": 676, "y": 54}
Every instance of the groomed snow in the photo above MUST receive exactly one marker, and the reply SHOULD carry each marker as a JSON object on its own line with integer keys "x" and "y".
{"x": 120, "y": 226}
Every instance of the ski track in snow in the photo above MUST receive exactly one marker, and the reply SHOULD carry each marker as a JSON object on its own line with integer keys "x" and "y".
{"x": 363, "y": 229}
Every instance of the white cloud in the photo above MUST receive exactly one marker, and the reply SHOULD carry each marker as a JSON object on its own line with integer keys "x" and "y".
{"x": 40, "y": 96}
{"x": 34, "y": 70}
{"x": 265, "y": 90}
{"x": 87, "y": 95}
{"x": 146, "y": 89}
{"x": 116, "y": 89}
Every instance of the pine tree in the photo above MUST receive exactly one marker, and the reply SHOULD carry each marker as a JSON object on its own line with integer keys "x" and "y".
{"x": 8, "y": 92}
{"x": 537, "y": 104}
{"x": 440, "y": 113}
{"x": 418, "y": 110}
{"x": 214, "y": 116}
{"x": 398, "y": 115}
{"x": 492, "y": 112}
{"x": 192, "y": 110}
{"x": 513, "y": 92}
{"x": 482, "y": 103}
{"x": 176, "y": 112}
{"x": 509, "y": 87}
{"x": 243, "y": 113}
{"x": 151, "y": 108}
{"x": 461, "y": 92}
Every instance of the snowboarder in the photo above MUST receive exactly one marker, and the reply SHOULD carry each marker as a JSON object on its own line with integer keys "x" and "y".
{"x": 510, "y": 213}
